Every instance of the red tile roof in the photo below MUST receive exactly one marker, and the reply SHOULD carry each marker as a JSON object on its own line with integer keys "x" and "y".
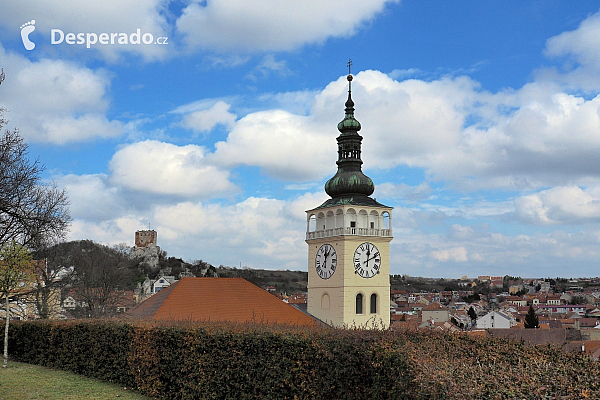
{"x": 435, "y": 307}
{"x": 219, "y": 299}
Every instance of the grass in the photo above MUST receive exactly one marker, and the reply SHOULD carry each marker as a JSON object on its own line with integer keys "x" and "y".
{"x": 31, "y": 382}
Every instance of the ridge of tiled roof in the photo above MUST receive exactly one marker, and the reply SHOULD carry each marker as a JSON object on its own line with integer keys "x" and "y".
{"x": 219, "y": 299}
{"x": 149, "y": 307}
{"x": 434, "y": 307}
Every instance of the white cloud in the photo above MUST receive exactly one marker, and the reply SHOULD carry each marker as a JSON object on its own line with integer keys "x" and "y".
{"x": 205, "y": 120}
{"x": 202, "y": 105}
{"x": 461, "y": 232}
{"x": 167, "y": 169}
{"x": 401, "y": 74}
{"x": 269, "y": 65}
{"x": 577, "y": 53}
{"x": 280, "y": 143}
{"x": 537, "y": 136}
{"x": 224, "y": 61}
{"x": 109, "y": 232}
{"x": 453, "y": 254}
{"x": 559, "y": 205}
{"x": 269, "y": 233}
{"x": 79, "y": 129}
{"x": 581, "y": 43}
{"x": 546, "y": 136}
{"x": 258, "y": 232}
{"x": 56, "y": 101}
{"x": 91, "y": 197}
{"x": 92, "y": 16}
{"x": 410, "y": 122}
{"x": 417, "y": 252}
{"x": 416, "y": 193}
{"x": 269, "y": 25}
{"x": 299, "y": 102}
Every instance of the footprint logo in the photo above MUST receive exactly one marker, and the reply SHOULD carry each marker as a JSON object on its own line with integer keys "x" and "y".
{"x": 26, "y": 29}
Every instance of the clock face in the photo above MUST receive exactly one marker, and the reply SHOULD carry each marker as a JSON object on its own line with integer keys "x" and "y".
{"x": 326, "y": 261}
{"x": 367, "y": 260}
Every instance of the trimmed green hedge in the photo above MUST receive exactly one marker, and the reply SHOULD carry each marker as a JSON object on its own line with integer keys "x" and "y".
{"x": 220, "y": 361}
{"x": 229, "y": 361}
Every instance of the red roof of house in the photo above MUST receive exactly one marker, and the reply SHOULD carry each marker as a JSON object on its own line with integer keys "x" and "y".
{"x": 298, "y": 298}
{"x": 219, "y": 299}
{"x": 435, "y": 307}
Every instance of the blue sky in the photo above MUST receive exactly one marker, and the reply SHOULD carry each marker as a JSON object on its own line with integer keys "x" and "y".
{"x": 481, "y": 125}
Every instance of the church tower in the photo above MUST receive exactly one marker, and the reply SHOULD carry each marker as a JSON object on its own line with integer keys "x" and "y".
{"x": 348, "y": 240}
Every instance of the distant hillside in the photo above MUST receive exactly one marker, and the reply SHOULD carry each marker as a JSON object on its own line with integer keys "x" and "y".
{"x": 130, "y": 272}
{"x": 284, "y": 281}
{"x": 113, "y": 266}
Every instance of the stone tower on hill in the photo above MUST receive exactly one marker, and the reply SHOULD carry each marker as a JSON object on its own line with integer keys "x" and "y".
{"x": 145, "y": 238}
{"x": 146, "y": 248}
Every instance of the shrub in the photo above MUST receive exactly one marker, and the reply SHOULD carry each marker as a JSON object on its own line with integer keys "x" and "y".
{"x": 233, "y": 361}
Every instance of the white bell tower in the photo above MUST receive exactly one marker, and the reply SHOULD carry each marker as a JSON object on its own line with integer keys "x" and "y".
{"x": 348, "y": 240}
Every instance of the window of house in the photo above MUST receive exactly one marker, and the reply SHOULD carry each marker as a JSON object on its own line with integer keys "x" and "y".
{"x": 352, "y": 224}
{"x": 372, "y": 225}
{"x": 359, "y": 303}
{"x": 374, "y": 303}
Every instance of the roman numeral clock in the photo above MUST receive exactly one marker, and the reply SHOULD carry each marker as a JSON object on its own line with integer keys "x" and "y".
{"x": 348, "y": 239}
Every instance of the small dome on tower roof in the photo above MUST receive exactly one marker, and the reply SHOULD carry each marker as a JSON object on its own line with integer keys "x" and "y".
{"x": 349, "y": 183}
{"x": 349, "y": 123}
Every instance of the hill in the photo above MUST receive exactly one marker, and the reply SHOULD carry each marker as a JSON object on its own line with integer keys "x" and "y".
{"x": 284, "y": 281}
{"x": 92, "y": 263}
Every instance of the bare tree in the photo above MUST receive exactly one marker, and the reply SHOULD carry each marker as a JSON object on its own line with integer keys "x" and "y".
{"x": 30, "y": 210}
{"x": 100, "y": 273}
{"x": 53, "y": 271}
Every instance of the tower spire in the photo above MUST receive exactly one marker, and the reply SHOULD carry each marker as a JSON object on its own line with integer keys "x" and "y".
{"x": 349, "y": 181}
{"x": 349, "y": 103}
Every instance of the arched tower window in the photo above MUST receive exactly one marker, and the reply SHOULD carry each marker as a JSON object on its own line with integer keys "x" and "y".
{"x": 325, "y": 301}
{"x": 339, "y": 218}
{"x": 351, "y": 218}
{"x": 320, "y": 221}
{"x": 329, "y": 220}
{"x": 374, "y": 303}
{"x": 373, "y": 220}
{"x": 363, "y": 219}
{"x": 312, "y": 223}
{"x": 387, "y": 219}
{"x": 359, "y": 303}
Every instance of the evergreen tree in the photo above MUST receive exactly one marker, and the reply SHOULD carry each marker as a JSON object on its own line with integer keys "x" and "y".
{"x": 472, "y": 314}
{"x": 531, "y": 320}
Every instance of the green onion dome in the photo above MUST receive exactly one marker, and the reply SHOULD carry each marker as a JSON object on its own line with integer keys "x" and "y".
{"x": 349, "y": 179}
{"x": 349, "y": 183}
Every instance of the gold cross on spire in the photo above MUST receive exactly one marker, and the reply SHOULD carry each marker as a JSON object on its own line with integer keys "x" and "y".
{"x": 349, "y": 66}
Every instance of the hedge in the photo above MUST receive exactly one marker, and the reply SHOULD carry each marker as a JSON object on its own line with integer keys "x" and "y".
{"x": 229, "y": 361}
{"x": 220, "y": 361}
